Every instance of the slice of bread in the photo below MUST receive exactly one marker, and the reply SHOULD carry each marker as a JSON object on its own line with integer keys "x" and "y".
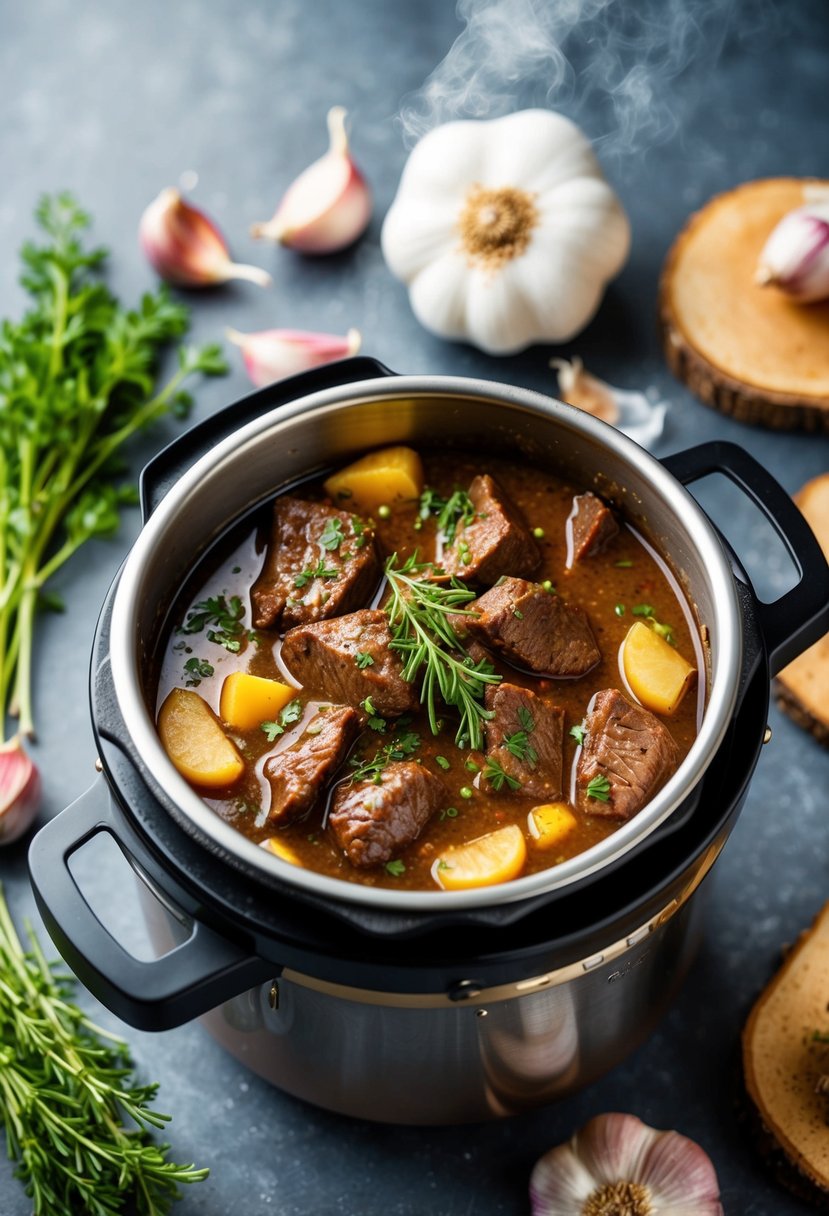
{"x": 784, "y": 1063}
{"x": 802, "y": 688}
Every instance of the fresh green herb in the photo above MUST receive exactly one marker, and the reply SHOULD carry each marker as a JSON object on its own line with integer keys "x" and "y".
{"x": 518, "y": 745}
{"x": 236, "y": 570}
{"x": 363, "y": 659}
{"x": 395, "y": 868}
{"x": 384, "y": 511}
{"x": 443, "y": 762}
{"x": 497, "y": 776}
{"x": 598, "y": 787}
{"x": 315, "y": 728}
{"x": 526, "y": 719}
{"x": 77, "y": 1123}
{"x": 77, "y": 380}
{"x": 456, "y": 510}
{"x": 359, "y": 529}
{"x": 548, "y": 587}
{"x": 645, "y": 610}
{"x": 320, "y": 571}
{"x": 197, "y": 670}
{"x": 538, "y": 533}
{"x": 419, "y": 610}
{"x": 619, "y": 610}
{"x": 332, "y": 536}
{"x": 400, "y": 748}
{"x": 466, "y": 791}
{"x": 517, "y": 614}
{"x": 449, "y": 812}
{"x": 664, "y": 631}
{"x": 444, "y": 865}
{"x": 226, "y": 615}
{"x": 624, "y": 564}
{"x": 471, "y": 766}
{"x": 578, "y": 733}
{"x": 290, "y": 714}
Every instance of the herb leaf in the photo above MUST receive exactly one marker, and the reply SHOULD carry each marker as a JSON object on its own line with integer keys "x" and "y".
{"x": 497, "y": 776}
{"x": 395, "y": 868}
{"x": 197, "y": 670}
{"x": 578, "y": 733}
{"x": 320, "y": 571}
{"x": 332, "y": 535}
{"x": 598, "y": 787}
{"x": 290, "y": 714}
{"x": 398, "y": 749}
{"x": 363, "y": 659}
{"x": 456, "y": 510}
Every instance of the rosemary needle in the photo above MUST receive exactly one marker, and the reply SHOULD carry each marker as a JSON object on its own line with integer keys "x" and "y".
{"x": 76, "y": 1121}
{"x": 419, "y": 608}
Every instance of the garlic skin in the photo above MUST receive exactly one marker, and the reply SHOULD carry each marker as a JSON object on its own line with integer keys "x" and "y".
{"x": 20, "y": 791}
{"x": 505, "y": 231}
{"x": 186, "y": 248}
{"x": 273, "y": 354}
{"x": 616, "y": 1163}
{"x": 328, "y": 206}
{"x": 638, "y": 415}
{"x": 795, "y": 257}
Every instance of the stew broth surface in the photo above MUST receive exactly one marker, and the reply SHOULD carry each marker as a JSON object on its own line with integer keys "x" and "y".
{"x": 607, "y": 586}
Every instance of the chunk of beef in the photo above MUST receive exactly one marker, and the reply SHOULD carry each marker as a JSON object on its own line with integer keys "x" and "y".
{"x": 531, "y": 628}
{"x": 526, "y": 738}
{"x": 298, "y": 774}
{"x": 331, "y": 658}
{"x": 309, "y": 574}
{"x": 497, "y": 540}
{"x": 628, "y": 747}
{"x": 591, "y": 526}
{"x": 371, "y": 823}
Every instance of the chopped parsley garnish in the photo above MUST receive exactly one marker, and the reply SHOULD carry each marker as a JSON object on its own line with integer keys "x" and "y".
{"x": 363, "y": 659}
{"x": 471, "y": 766}
{"x": 497, "y": 776}
{"x": 319, "y": 571}
{"x": 444, "y": 865}
{"x": 442, "y": 761}
{"x": 645, "y": 610}
{"x": 518, "y": 614}
{"x": 226, "y": 615}
{"x": 332, "y": 535}
{"x": 418, "y": 610}
{"x": 359, "y": 529}
{"x": 395, "y": 868}
{"x": 624, "y": 564}
{"x": 400, "y": 748}
{"x": 518, "y": 744}
{"x": 664, "y": 631}
{"x": 619, "y": 610}
{"x": 197, "y": 670}
{"x": 291, "y": 713}
{"x": 598, "y": 787}
{"x": 578, "y": 733}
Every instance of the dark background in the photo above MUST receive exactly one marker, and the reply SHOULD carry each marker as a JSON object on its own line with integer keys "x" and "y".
{"x": 115, "y": 101}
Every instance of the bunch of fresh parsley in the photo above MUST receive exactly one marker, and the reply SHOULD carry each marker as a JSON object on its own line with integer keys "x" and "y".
{"x": 77, "y": 379}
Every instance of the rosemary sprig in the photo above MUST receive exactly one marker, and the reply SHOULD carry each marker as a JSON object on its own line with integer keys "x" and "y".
{"x": 67, "y": 1090}
{"x": 419, "y": 609}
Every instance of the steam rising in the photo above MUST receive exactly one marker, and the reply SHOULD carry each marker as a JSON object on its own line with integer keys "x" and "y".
{"x": 609, "y": 64}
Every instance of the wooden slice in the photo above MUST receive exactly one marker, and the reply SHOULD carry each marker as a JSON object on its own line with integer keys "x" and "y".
{"x": 746, "y": 350}
{"x": 802, "y": 688}
{"x": 783, "y": 1062}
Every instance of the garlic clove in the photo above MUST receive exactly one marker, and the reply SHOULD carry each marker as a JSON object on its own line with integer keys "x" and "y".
{"x": 638, "y": 415}
{"x": 186, "y": 248}
{"x": 617, "y": 1163}
{"x": 272, "y": 354}
{"x": 795, "y": 257}
{"x": 328, "y": 206}
{"x": 20, "y": 790}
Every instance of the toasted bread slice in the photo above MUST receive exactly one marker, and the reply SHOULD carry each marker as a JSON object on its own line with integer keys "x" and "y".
{"x": 784, "y": 1061}
{"x": 747, "y": 350}
{"x": 802, "y": 688}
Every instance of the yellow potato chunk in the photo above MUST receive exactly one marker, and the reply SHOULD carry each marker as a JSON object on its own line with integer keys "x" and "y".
{"x": 497, "y": 857}
{"x": 247, "y": 700}
{"x": 381, "y": 478}
{"x": 196, "y": 743}
{"x": 656, "y": 672}
{"x": 550, "y": 823}
{"x": 281, "y": 848}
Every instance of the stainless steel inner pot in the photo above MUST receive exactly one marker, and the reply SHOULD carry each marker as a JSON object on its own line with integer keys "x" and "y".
{"x": 328, "y": 428}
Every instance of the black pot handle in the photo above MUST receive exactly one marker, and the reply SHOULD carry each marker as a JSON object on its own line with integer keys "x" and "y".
{"x": 164, "y": 470}
{"x": 801, "y": 616}
{"x": 202, "y": 972}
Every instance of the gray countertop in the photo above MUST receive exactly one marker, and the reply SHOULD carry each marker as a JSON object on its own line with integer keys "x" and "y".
{"x": 115, "y": 101}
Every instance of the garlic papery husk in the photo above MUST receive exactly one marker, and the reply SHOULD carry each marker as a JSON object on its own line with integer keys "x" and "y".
{"x": 19, "y": 791}
{"x": 329, "y": 204}
{"x": 186, "y": 248}
{"x": 617, "y": 1164}
{"x": 272, "y": 354}
{"x": 795, "y": 258}
{"x": 505, "y": 231}
{"x": 641, "y": 416}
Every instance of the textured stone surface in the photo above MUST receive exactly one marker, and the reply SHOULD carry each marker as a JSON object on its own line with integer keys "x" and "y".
{"x": 116, "y": 101}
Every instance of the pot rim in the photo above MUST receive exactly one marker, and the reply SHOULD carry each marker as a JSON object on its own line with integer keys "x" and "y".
{"x": 202, "y": 822}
